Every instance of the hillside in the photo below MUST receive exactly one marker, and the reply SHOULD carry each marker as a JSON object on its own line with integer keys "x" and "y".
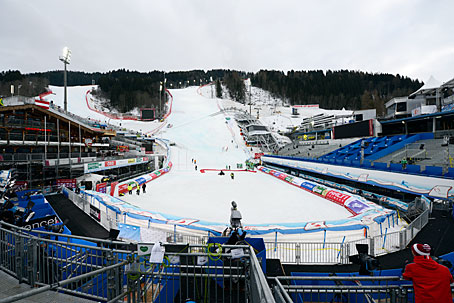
{"x": 127, "y": 90}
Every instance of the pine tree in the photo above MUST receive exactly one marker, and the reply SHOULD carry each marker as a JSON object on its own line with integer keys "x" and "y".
{"x": 218, "y": 89}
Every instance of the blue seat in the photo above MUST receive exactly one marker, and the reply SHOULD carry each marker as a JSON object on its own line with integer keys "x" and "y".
{"x": 450, "y": 172}
{"x": 381, "y": 166}
{"x": 413, "y": 168}
{"x": 395, "y": 167}
{"x": 367, "y": 164}
{"x": 433, "y": 171}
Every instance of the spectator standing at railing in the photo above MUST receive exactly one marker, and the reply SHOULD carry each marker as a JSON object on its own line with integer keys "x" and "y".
{"x": 404, "y": 163}
{"x": 431, "y": 280}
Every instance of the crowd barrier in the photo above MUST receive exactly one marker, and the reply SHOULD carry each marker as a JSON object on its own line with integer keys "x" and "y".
{"x": 388, "y": 201}
{"x": 432, "y": 187}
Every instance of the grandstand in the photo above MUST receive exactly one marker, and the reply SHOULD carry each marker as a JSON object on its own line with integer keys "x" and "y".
{"x": 255, "y": 133}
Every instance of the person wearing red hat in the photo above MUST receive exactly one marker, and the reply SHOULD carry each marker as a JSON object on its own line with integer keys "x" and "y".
{"x": 431, "y": 280}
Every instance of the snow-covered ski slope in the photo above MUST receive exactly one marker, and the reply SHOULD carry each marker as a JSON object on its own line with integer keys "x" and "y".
{"x": 272, "y": 111}
{"x": 198, "y": 130}
{"x": 77, "y": 104}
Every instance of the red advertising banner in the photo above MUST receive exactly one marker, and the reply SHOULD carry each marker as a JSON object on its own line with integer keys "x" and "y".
{"x": 69, "y": 183}
{"x": 258, "y": 155}
{"x": 112, "y": 188}
{"x": 337, "y": 197}
{"x": 101, "y": 187}
{"x": 123, "y": 188}
{"x": 22, "y": 185}
{"x": 110, "y": 163}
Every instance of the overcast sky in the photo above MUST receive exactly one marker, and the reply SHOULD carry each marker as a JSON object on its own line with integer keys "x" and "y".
{"x": 409, "y": 37}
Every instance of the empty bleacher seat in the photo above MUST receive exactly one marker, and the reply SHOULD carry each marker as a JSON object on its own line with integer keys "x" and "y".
{"x": 433, "y": 171}
{"x": 450, "y": 172}
{"x": 413, "y": 168}
{"x": 397, "y": 167}
{"x": 381, "y": 166}
{"x": 367, "y": 164}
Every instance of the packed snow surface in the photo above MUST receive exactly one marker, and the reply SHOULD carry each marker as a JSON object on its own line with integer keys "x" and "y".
{"x": 198, "y": 130}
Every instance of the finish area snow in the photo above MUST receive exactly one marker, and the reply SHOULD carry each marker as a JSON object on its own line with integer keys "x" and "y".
{"x": 198, "y": 129}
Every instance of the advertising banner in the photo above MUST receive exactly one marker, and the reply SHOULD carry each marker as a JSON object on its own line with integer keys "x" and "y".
{"x": 112, "y": 187}
{"x": 258, "y": 155}
{"x": 96, "y": 166}
{"x": 21, "y": 185}
{"x": 337, "y": 197}
{"x": 69, "y": 183}
{"x": 123, "y": 188}
{"x": 101, "y": 187}
{"x": 95, "y": 212}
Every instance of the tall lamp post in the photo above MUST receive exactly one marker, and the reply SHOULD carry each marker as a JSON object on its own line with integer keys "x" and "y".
{"x": 66, "y": 59}
{"x": 160, "y": 94}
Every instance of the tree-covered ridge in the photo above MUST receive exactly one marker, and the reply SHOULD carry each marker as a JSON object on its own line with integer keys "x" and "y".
{"x": 129, "y": 89}
{"x": 335, "y": 89}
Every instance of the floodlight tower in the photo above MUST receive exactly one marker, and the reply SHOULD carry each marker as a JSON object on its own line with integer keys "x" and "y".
{"x": 66, "y": 59}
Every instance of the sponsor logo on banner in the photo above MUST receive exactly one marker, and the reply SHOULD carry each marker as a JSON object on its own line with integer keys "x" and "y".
{"x": 258, "y": 155}
{"x": 93, "y": 166}
{"x": 307, "y": 185}
{"x": 95, "y": 212}
{"x": 112, "y": 187}
{"x": 282, "y": 176}
{"x": 101, "y": 187}
{"x": 41, "y": 222}
{"x": 21, "y": 185}
{"x": 337, "y": 197}
{"x": 141, "y": 180}
{"x": 315, "y": 225}
{"x": 123, "y": 188}
{"x": 131, "y": 161}
{"x": 320, "y": 190}
{"x": 110, "y": 163}
{"x": 69, "y": 183}
{"x": 289, "y": 179}
{"x": 357, "y": 206}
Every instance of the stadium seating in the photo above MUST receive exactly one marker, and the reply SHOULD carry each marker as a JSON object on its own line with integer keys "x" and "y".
{"x": 373, "y": 147}
{"x": 433, "y": 171}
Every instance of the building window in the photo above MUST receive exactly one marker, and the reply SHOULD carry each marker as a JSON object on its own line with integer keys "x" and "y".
{"x": 401, "y": 107}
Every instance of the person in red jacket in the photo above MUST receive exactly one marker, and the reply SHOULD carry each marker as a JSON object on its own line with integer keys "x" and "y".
{"x": 431, "y": 280}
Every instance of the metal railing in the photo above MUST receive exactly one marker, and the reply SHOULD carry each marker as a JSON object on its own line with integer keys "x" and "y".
{"x": 213, "y": 273}
{"x": 112, "y": 271}
{"x": 308, "y": 252}
{"x": 342, "y": 289}
{"x": 86, "y": 267}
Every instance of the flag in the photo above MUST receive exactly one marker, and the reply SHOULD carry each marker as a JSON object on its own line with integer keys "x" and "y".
{"x": 42, "y": 103}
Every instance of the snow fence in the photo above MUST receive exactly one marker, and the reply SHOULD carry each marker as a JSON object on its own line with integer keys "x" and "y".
{"x": 368, "y": 219}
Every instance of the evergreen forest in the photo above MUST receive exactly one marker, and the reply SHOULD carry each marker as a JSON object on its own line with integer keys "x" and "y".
{"x": 130, "y": 89}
